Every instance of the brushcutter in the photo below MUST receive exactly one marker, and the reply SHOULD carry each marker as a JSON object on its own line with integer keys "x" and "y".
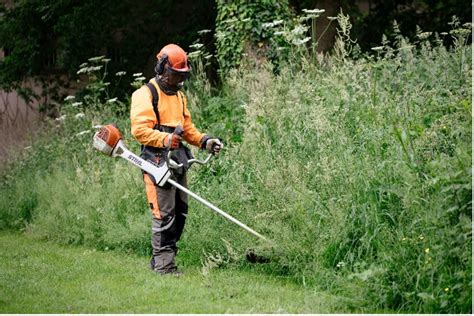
{"x": 108, "y": 140}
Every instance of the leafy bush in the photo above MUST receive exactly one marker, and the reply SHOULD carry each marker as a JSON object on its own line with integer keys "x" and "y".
{"x": 261, "y": 30}
{"x": 359, "y": 170}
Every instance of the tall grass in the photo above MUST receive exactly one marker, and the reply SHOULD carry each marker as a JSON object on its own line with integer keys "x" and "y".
{"x": 359, "y": 169}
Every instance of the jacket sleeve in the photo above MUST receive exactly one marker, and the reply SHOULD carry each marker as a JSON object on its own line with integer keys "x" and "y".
{"x": 143, "y": 119}
{"x": 191, "y": 133}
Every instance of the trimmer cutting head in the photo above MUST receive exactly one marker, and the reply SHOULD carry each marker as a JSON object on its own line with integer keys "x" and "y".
{"x": 106, "y": 139}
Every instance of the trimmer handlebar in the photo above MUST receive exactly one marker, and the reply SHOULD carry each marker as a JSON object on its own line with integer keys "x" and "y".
{"x": 173, "y": 164}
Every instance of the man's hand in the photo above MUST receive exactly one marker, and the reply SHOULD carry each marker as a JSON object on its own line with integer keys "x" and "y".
{"x": 173, "y": 141}
{"x": 214, "y": 145}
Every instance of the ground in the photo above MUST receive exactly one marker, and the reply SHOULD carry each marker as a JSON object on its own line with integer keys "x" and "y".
{"x": 42, "y": 277}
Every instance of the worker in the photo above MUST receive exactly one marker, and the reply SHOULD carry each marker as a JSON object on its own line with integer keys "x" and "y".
{"x": 157, "y": 109}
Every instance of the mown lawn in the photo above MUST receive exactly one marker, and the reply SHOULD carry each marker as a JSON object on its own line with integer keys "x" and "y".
{"x": 42, "y": 277}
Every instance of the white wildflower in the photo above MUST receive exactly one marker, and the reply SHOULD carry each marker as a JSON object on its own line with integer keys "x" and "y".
{"x": 277, "y": 22}
{"x": 196, "y": 46}
{"x": 377, "y": 48}
{"x": 340, "y": 264}
{"x": 61, "y": 118}
{"x": 313, "y": 16}
{"x": 304, "y": 18}
{"x": 424, "y": 35}
{"x": 406, "y": 47}
{"x": 75, "y": 104}
{"x": 83, "y": 133}
{"x": 82, "y": 70}
{"x": 272, "y": 24}
{"x": 279, "y": 33}
{"x": 97, "y": 126}
{"x": 121, "y": 73}
{"x": 83, "y": 65}
{"x": 299, "y": 29}
{"x": 301, "y": 41}
{"x": 201, "y": 32}
{"x": 98, "y": 58}
{"x": 95, "y": 68}
{"x": 314, "y": 11}
{"x": 332, "y": 18}
{"x": 138, "y": 74}
{"x": 79, "y": 115}
{"x": 140, "y": 78}
{"x": 267, "y": 25}
{"x": 106, "y": 60}
{"x": 69, "y": 98}
{"x": 112, "y": 100}
{"x": 194, "y": 54}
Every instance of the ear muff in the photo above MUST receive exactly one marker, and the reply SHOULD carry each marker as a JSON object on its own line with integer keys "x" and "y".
{"x": 160, "y": 64}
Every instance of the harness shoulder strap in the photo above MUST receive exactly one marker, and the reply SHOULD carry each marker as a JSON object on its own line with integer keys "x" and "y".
{"x": 182, "y": 100}
{"x": 155, "y": 100}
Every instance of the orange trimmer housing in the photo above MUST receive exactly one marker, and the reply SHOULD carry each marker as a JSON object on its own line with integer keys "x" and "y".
{"x": 107, "y": 138}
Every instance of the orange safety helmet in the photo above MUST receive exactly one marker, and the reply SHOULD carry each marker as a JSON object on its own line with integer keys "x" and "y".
{"x": 175, "y": 57}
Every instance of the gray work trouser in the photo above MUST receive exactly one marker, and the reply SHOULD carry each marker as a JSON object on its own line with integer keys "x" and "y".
{"x": 169, "y": 208}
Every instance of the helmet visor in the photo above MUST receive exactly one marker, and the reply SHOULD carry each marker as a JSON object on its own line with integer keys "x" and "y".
{"x": 174, "y": 77}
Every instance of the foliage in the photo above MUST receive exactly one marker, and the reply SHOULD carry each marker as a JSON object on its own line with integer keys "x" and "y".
{"x": 266, "y": 30}
{"x": 352, "y": 165}
{"x": 43, "y": 38}
{"x": 262, "y": 31}
{"x": 241, "y": 23}
{"x": 358, "y": 168}
{"x": 429, "y": 15}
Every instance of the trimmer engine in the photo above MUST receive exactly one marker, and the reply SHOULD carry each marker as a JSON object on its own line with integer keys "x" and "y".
{"x": 106, "y": 139}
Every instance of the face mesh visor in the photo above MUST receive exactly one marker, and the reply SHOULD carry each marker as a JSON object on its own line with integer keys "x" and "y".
{"x": 174, "y": 77}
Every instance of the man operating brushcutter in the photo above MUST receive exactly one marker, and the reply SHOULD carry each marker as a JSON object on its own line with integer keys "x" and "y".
{"x": 157, "y": 109}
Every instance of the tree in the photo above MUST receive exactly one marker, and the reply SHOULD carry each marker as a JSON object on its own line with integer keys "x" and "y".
{"x": 47, "y": 37}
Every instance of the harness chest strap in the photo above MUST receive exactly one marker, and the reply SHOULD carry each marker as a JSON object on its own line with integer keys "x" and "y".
{"x": 155, "y": 100}
{"x": 158, "y": 126}
{"x": 183, "y": 154}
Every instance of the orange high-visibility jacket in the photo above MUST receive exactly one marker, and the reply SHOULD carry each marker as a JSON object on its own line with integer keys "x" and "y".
{"x": 173, "y": 111}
